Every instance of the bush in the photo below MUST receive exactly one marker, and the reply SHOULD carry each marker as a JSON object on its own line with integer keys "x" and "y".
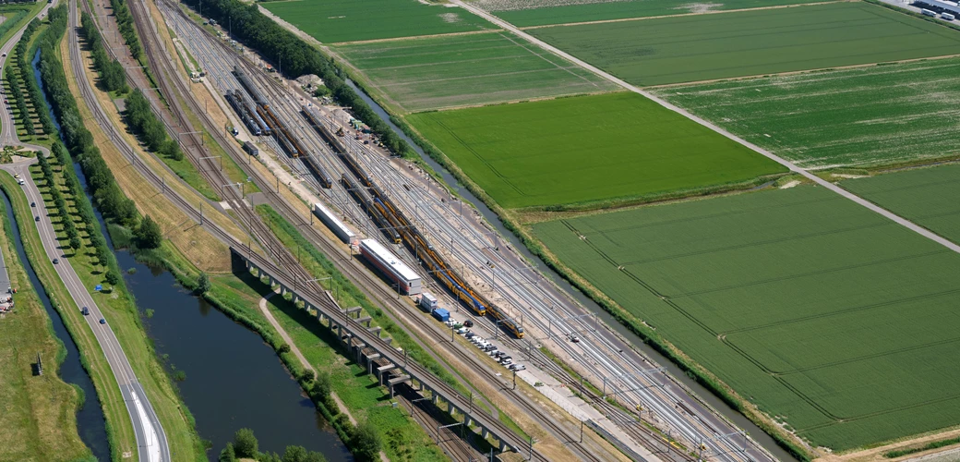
{"x": 148, "y": 234}
{"x": 366, "y": 442}
{"x": 245, "y": 443}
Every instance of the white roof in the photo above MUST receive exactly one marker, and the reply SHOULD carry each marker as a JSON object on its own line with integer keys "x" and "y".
{"x": 333, "y": 218}
{"x": 389, "y": 259}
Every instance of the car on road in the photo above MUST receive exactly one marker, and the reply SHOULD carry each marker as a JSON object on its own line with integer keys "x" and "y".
{"x": 518, "y": 367}
{"x": 36, "y": 218}
{"x": 85, "y": 311}
{"x": 56, "y": 261}
{"x": 33, "y": 204}
{"x": 103, "y": 321}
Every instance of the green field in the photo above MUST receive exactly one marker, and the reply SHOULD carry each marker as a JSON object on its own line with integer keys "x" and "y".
{"x": 718, "y": 46}
{"x": 854, "y": 117}
{"x": 438, "y": 72}
{"x": 840, "y": 323}
{"x": 352, "y": 20}
{"x": 524, "y": 13}
{"x": 585, "y": 149}
{"x": 929, "y": 197}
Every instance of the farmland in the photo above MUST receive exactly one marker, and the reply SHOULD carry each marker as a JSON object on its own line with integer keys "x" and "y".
{"x": 435, "y": 72}
{"x": 584, "y": 149}
{"x": 926, "y": 196}
{"x": 835, "y": 320}
{"x": 717, "y": 46}
{"x": 345, "y": 20}
{"x": 854, "y": 117}
{"x": 545, "y": 12}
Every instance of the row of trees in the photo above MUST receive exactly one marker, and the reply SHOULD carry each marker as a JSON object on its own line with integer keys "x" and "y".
{"x": 149, "y": 128}
{"x": 83, "y": 210}
{"x": 246, "y": 446}
{"x": 13, "y": 81}
{"x": 112, "y": 75}
{"x": 29, "y": 82}
{"x": 363, "y": 439}
{"x": 79, "y": 141}
{"x": 125, "y": 23}
{"x": 297, "y": 58}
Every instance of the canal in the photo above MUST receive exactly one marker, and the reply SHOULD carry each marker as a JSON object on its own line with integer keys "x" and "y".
{"x": 735, "y": 416}
{"x": 233, "y": 379}
{"x": 90, "y": 422}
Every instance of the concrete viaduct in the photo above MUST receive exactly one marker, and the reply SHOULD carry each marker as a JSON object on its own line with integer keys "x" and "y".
{"x": 365, "y": 341}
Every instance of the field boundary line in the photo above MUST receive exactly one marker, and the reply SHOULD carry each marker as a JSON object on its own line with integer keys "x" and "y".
{"x": 414, "y": 37}
{"x": 786, "y": 163}
{"x": 681, "y": 15}
{"x": 805, "y": 71}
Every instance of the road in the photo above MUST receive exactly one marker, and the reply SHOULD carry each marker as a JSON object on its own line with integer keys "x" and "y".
{"x": 786, "y": 163}
{"x": 151, "y": 441}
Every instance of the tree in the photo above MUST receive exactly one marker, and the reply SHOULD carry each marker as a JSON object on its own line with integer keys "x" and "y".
{"x": 245, "y": 444}
{"x": 149, "y": 234}
{"x": 75, "y": 242}
{"x": 103, "y": 254}
{"x": 112, "y": 277}
{"x": 227, "y": 454}
{"x": 203, "y": 283}
{"x": 366, "y": 442}
{"x": 295, "y": 454}
{"x": 322, "y": 385}
{"x": 308, "y": 375}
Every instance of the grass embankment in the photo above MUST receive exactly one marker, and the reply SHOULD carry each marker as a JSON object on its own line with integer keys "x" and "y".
{"x": 745, "y": 43}
{"x": 199, "y": 247}
{"x": 39, "y": 412}
{"x": 119, "y": 308}
{"x": 119, "y": 428}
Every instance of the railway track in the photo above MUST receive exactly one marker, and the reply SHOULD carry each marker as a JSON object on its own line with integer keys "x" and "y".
{"x": 248, "y": 217}
{"x": 642, "y": 434}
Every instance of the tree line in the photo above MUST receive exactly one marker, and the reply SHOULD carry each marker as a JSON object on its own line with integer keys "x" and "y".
{"x": 13, "y": 81}
{"x": 112, "y": 75}
{"x": 298, "y": 58}
{"x": 109, "y": 198}
{"x": 149, "y": 128}
{"x": 29, "y": 81}
{"x": 125, "y": 24}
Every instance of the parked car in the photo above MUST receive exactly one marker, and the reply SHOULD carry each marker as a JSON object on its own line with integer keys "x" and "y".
{"x": 518, "y": 367}
{"x": 490, "y": 347}
{"x": 494, "y": 352}
{"x": 468, "y": 323}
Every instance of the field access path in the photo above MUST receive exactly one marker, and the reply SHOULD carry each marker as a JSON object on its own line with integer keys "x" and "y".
{"x": 786, "y": 163}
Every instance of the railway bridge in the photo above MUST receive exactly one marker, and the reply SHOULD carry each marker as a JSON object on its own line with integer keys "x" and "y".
{"x": 388, "y": 363}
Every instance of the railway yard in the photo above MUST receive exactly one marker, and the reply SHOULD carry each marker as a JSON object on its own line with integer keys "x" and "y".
{"x": 784, "y": 231}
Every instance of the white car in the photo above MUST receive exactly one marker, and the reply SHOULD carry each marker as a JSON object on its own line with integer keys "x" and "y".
{"x": 517, "y": 367}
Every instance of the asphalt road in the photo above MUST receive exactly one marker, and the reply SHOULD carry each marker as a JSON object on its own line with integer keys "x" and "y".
{"x": 151, "y": 440}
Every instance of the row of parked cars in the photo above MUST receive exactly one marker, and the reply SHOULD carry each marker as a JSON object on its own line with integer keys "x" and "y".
{"x": 501, "y": 356}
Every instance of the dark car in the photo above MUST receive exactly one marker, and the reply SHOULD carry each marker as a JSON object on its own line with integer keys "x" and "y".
{"x": 36, "y": 218}
{"x": 468, "y": 323}
{"x": 103, "y": 321}
{"x": 33, "y": 204}
{"x": 55, "y": 260}
{"x": 85, "y": 311}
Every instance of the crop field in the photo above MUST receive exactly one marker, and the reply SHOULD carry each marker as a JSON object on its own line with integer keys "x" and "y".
{"x": 828, "y": 317}
{"x": 717, "y": 46}
{"x": 854, "y": 117}
{"x": 585, "y": 149}
{"x": 351, "y": 20}
{"x": 929, "y": 197}
{"x": 526, "y": 13}
{"x": 436, "y": 72}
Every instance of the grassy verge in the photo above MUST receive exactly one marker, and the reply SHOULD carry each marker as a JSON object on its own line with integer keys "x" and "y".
{"x": 39, "y": 420}
{"x": 925, "y": 447}
{"x": 118, "y": 306}
{"x": 119, "y": 427}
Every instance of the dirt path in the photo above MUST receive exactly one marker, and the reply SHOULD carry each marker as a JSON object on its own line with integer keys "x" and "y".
{"x": 306, "y": 364}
